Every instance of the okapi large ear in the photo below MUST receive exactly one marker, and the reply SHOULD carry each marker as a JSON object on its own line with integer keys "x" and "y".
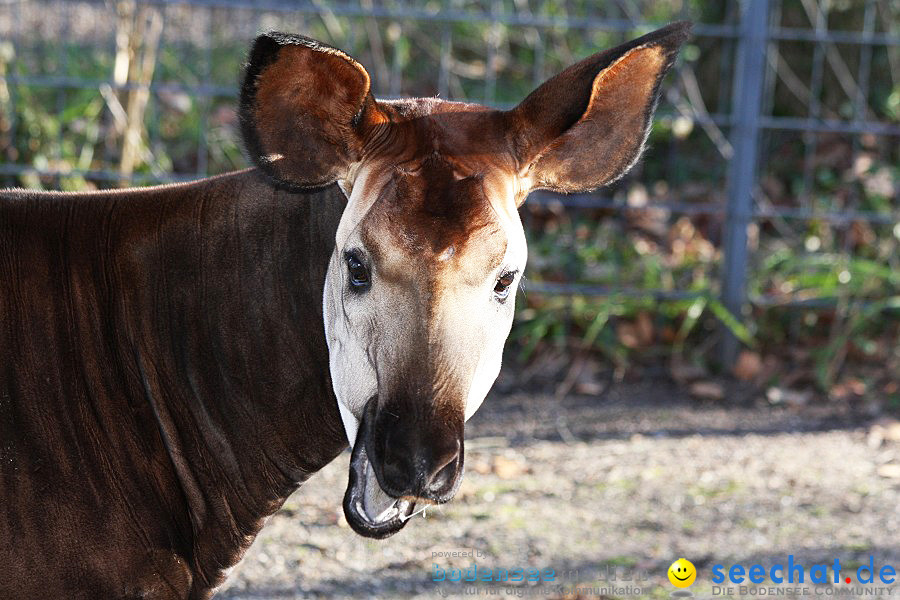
{"x": 305, "y": 110}
{"x": 586, "y": 126}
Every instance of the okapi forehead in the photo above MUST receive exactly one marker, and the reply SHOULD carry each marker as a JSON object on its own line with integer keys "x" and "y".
{"x": 471, "y": 136}
{"x": 436, "y": 214}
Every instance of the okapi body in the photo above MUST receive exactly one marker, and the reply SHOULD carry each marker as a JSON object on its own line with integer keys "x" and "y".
{"x": 164, "y": 382}
{"x": 176, "y": 360}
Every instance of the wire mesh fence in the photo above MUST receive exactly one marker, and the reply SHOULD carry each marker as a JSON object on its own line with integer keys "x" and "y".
{"x": 774, "y": 157}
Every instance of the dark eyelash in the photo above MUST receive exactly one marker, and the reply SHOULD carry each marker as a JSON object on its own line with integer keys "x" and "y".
{"x": 502, "y": 287}
{"x": 510, "y": 274}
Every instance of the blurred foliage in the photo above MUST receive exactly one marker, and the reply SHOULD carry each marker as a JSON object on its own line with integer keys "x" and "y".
{"x": 843, "y": 275}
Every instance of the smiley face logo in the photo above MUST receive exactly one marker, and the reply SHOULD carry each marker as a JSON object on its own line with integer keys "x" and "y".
{"x": 682, "y": 573}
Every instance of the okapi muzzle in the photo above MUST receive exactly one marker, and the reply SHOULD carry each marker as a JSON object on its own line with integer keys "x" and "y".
{"x": 412, "y": 460}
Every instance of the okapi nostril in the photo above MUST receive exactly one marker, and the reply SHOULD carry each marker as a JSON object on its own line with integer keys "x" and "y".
{"x": 444, "y": 469}
{"x": 444, "y": 477}
{"x": 413, "y": 468}
{"x": 398, "y": 472}
{"x": 445, "y": 459}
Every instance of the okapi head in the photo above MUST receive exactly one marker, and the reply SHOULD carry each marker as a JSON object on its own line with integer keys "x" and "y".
{"x": 420, "y": 290}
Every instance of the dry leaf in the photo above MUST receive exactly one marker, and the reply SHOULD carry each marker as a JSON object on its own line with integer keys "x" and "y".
{"x": 707, "y": 390}
{"x": 628, "y": 335}
{"x": 644, "y": 328}
{"x": 748, "y": 366}
{"x": 890, "y": 471}
{"x": 590, "y": 388}
{"x": 875, "y": 437}
{"x": 684, "y": 372}
{"x": 507, "y": 468}
{"x": 479, "y": 466}
{"x": 892, "y": 431}
{"x": 780, "y": 395}
{"x": 884, "y": 430}
{"x": 467, "y": 489}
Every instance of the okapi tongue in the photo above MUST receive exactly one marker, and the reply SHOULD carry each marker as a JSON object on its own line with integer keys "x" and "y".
{"x": 369, "y": 511}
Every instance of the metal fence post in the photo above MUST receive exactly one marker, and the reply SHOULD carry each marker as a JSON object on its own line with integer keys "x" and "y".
{"x": 748, "y": 88}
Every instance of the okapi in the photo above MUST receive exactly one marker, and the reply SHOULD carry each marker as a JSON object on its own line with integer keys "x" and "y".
{"x": 176, "y": 360}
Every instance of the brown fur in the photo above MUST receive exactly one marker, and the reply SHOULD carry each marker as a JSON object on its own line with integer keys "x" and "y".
{"x": 164, "y": 381}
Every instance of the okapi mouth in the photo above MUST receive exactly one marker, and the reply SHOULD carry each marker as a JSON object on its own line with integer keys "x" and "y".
{"x": 369, "y": 510}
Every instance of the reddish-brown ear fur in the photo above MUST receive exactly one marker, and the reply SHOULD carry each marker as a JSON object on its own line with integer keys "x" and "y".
{"x": 305, "y": 110}
{"x": 586, "y": 126}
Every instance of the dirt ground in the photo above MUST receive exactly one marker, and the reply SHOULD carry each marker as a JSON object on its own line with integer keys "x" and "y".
{"x": 623, "y": 484}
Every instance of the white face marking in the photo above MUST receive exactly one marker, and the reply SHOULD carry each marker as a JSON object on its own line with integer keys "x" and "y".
{"x": 488, "y": 366}
{"x": 476, "y": 324}
{"x": 353, "y": 376}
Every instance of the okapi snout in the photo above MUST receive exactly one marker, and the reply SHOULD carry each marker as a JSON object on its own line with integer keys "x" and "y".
{"x": 412, "y": 460}
{"x": 403, "y": 455}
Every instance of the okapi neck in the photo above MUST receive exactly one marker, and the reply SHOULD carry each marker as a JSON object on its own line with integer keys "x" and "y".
{"x": 229, "y": 345}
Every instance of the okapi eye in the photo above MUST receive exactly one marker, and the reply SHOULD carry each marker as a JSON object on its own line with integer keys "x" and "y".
{"x": 501, "y": 289}
{"x": 359, "y": 274}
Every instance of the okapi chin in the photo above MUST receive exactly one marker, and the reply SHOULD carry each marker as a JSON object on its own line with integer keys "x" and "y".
{"x": 176, "y": 360}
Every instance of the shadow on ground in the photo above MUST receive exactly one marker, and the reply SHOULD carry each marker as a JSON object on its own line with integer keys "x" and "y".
{"x": 632, "y": 480}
